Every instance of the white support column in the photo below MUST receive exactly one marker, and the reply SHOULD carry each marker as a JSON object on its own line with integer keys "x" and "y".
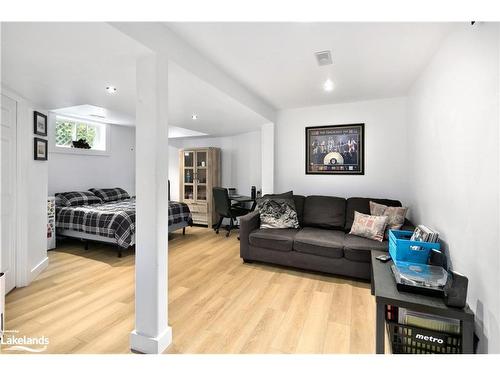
{"x": 152, "y": 333}
{"x": 267, "y": 146}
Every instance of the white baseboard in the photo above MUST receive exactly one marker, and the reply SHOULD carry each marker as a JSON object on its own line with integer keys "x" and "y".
{"x": 37, "y": 270}
{"x": 150, "y": 345}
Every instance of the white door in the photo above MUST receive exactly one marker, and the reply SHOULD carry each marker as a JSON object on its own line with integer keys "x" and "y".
{"x": 8, "y": 161}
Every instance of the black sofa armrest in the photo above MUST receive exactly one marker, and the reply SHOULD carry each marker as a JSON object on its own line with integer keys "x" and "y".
{"x": 248, "y": 223}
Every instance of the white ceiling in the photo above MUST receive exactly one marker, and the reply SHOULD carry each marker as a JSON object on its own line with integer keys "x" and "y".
{"x": 176, "y": 132}
{"x": 276, "y": 60}
{"x": 61, "y": 65}
{"x": 218, "y": 113}
{"x": 58, "y": 65}
{"x": 98, "y": 114}
{"x": 94, "y": 113}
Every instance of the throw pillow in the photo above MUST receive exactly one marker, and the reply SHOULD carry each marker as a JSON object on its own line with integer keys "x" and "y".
{"x": 395, "y": 215}
{"x": 372, "y": 227}
{"x": 77, "y": 198}
{"x": 110, "y": 195}
{"x": 277, "y": 213}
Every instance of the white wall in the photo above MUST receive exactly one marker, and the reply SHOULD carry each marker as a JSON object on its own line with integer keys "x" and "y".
{"x": 246, "y": 162}
{"x": 454, "y": 184}
{"x": 173, "y": 171}
{"x": 240, "y": 160}
{"x": 267, "y": 150}
{"x": 70, "y": 172}
{"x": 385, "y": 149}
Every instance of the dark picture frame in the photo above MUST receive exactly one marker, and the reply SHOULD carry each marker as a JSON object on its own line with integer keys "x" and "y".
{"x": 39, "y": 124}
{"x": 335, "y": 149}
{"x": 40, "y": 149}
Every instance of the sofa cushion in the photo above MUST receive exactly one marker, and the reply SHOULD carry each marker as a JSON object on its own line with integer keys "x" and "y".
{"x": 324, "y": 212}
{"x": 299, "y": 207}
{"x": 362, "y": 205}
{"x": 286, "y": 195}
{"x": 323, "y": 242}
{"x": 274, "y": 239}
{"x": 358, "y": 248}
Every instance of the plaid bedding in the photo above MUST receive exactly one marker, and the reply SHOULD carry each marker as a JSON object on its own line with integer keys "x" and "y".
{"x": 112, "y": 219}
{"x": 77, "y": 198}
{"x": 178, "y": 212}
{"x": 109, "y": 195}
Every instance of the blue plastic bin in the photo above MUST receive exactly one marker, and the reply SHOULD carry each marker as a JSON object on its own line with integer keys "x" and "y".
{"x": 404, "y": 250}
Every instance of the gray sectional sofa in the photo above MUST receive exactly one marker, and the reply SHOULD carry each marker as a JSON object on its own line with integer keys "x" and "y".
{"x": 322, "y": 243}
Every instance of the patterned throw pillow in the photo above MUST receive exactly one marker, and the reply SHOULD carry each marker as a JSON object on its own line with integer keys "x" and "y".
{"x": 77, "y": 198}
{"x": 277, "y": 213}
{"x": 110, "y": 195}
{"x": 372, "y": 227}
{"x": 395, "y": 215}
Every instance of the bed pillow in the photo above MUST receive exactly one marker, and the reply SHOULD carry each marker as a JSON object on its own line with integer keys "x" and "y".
{"x": 277, "y": 213}
{"x": 372, "y": 227}
{"x": 395, "y": 215}
{"x": 110, "y": 195}
{"x": 77, "y": 198}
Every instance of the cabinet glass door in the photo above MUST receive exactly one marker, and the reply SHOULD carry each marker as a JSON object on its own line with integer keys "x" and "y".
{"x": 188, "y": 192}
{"x": 201, "y": 159}
{"x": 189, "y": 175}
{"x": 201, "y": 192}
{"x": 189, "y": 159}
{"x": 201, "y": 175}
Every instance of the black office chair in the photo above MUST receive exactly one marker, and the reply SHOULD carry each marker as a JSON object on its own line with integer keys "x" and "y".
{"x": 224, "y": 209}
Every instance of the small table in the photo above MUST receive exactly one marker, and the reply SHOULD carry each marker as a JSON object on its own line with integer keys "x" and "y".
{"x": 386, "y": 293}
{"x": 244, "y": 199}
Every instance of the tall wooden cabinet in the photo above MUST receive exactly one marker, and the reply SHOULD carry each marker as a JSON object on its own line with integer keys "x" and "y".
{"x": 199, "y": 173}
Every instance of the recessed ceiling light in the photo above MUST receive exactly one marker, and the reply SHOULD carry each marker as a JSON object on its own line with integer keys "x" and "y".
{"x": 111, "y": 90}
{"x": 194, "y": 117}
{"x": 328, "y": 85}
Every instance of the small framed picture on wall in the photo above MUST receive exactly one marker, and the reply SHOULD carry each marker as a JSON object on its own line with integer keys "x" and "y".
{"x": 40, "y": 149}
{"x": 40, "y": 124}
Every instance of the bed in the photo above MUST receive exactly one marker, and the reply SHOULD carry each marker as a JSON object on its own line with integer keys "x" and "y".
{"x": 111, "y": 222}
{"x": 179, "y": 215}
{"x": 108, "y": 222}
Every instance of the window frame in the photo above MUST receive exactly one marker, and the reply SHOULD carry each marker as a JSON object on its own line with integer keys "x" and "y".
{"x": 53, "y": 148}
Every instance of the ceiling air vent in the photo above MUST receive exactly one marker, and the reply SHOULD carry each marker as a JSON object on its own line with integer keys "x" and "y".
{"x": 324, "y": 58}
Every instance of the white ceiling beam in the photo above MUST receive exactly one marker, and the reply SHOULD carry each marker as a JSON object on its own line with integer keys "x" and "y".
{"x": 160, "y": 39}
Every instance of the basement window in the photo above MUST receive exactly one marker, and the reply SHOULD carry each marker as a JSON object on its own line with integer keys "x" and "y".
{"x": 69, "y": 130}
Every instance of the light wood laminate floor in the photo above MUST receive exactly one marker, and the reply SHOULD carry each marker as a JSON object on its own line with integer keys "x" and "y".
{"x": 84, "y": 302}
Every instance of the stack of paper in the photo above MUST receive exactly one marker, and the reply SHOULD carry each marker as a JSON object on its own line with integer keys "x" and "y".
{"x": 429, "y": 321}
